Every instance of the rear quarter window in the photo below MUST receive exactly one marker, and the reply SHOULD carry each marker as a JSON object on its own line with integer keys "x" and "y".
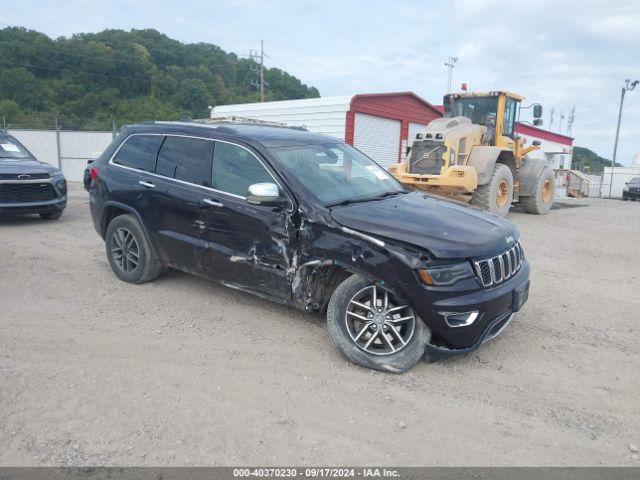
{"x": 139, "y": 152}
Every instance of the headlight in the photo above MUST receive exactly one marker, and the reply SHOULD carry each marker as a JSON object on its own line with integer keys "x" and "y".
{"x": 625, "y": 188}
{"x": 57, "y": 173}
{"x": 440, "y": 275}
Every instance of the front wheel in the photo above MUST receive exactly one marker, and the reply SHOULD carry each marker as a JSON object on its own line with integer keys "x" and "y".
{"x": 372, "y": 327}
{"x": 497, "y": 195}
{"x": 51, "y": 215}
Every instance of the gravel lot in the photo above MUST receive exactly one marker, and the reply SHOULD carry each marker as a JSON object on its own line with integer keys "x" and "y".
{"x": 182, "y": 371}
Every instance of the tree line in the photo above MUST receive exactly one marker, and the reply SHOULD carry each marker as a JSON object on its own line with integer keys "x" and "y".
{"x": 92, "y": 78}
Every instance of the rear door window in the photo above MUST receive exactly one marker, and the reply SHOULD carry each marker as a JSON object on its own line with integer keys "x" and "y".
{"x": 139, "y": 152}
{"x": 187, "y": 159}
{"x": 235, "y": 168}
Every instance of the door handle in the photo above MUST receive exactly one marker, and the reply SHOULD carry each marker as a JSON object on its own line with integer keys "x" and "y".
{"x": 146, "y": 184}
{"x": 213, "y": 203}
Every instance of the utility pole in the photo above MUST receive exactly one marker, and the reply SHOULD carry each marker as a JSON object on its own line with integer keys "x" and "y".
{"x": 450, "y": 64}
{"x": 262, "y": 70}
{"x": 561, "y": 119}
{"x": 553, "y": 110}
{"x": 629, "y": 85}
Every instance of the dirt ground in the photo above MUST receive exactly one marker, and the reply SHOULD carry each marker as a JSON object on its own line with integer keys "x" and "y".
{"x": 182, "y": 371}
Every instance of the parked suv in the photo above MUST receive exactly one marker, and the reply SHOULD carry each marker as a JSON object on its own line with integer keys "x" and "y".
{"x": 306, "y": 220}
{"x": 631, "y": 189}
{"x": 27, "y": 185}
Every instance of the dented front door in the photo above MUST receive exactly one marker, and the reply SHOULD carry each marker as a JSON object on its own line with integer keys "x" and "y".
{"x": 247, "y": 246}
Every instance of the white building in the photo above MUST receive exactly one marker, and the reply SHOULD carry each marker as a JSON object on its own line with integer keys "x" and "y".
{"x": 621, "y": 175}
{"x": 379, "y": 124}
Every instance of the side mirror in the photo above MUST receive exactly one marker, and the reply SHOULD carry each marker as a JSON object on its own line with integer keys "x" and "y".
{"x": 265, "y": 194}
{"x": 626, "y": 183}
{"x": 537, "y": 143}
{"x": 537, "y": 111}
{"x": 537, "y": 122}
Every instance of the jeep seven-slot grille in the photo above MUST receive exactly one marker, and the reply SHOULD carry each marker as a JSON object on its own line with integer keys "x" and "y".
{"x": 26, "y": 192}
{"x": 500, "y": 268}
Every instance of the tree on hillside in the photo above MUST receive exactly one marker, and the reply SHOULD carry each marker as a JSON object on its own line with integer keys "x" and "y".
{"x": 128, "y": 76}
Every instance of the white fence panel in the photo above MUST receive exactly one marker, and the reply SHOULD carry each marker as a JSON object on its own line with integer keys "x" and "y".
{"x": 42, "y": 143}
{"x": 77, "y": 147}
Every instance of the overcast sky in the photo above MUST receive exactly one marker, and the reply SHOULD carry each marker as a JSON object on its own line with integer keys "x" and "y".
{"x": 561, "y": 54}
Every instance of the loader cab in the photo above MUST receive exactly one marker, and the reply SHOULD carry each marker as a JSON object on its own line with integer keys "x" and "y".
{"x": 495, "y": 110}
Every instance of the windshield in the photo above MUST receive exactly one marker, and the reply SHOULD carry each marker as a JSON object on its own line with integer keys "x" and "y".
{"x": 481, "y": 110}
{"x": 635, "y": 181}
{"x": 335, "y": 173}
{"x": 10, "y": 148}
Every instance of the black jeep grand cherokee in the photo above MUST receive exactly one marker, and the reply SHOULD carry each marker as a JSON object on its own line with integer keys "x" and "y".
{"x": 27, "y": 185}
{"x": 306, "y": 220}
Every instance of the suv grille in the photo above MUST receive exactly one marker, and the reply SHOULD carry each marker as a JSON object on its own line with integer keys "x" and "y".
{"x": 500, "y": 268}
{"x": 23, "y": 176}
{"x": 26, "y": 192}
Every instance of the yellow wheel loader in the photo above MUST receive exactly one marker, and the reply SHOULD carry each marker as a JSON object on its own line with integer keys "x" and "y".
{"x": 474, "y": 150}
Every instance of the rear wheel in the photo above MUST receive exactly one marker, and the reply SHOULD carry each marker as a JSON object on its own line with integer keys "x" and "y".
{"x": 129, "y": 253}
{"x": 542, "y": 199}
{"x": 496, "y": 196}
{"x": 372, "y": 327}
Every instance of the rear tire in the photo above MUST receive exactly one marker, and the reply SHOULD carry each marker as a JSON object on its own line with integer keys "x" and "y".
{"x": 353, "y": 338}
{"x": 497, "y": 195}
{"x": 51, "y": 215}
{"x": 541, "y": 201}
{"x": 130, "y": 255}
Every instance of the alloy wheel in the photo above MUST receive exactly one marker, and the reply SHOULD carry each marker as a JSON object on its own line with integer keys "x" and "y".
{"x": 125, "y": 250}
{"x": 378, "y": 322}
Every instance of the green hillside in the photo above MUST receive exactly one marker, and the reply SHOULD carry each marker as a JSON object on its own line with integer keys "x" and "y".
{"x": 92, "y": 78}
{"x": 589, "y": 161}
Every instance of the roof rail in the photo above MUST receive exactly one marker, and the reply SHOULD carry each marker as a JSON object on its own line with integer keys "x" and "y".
{"x": 237, "y": 119}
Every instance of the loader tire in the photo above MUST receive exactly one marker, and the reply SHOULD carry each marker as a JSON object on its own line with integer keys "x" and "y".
{"x": 495, "y": 196}
{"x": 542, "y": 199}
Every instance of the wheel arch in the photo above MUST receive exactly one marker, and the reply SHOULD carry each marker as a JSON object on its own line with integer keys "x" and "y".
{"x": 115, "y": 209}
{"x": 484, "y": 158}
{"x": 315, "y": 282}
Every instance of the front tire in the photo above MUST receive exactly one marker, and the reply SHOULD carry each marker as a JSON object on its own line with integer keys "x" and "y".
{"x": 129, "y": 252}
{"x": 497, "y": 195}
{"x": 542, "y": 199}
{"x": 372, "y": 327}
{"x": 51, "y": 215}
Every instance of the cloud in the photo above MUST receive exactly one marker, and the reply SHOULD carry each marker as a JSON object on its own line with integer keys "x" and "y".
{"x": 561, "y": 54}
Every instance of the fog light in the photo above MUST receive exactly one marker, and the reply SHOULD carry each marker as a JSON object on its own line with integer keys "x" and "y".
{"x": 457, "y": 319}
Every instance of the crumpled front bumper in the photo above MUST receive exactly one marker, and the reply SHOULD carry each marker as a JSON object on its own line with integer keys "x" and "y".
{"x": 495, "y": 328}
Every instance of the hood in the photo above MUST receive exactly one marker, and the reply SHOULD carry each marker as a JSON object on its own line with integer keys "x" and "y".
{"x": 24, "y": 165}
{"x": 444, "y": 228}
